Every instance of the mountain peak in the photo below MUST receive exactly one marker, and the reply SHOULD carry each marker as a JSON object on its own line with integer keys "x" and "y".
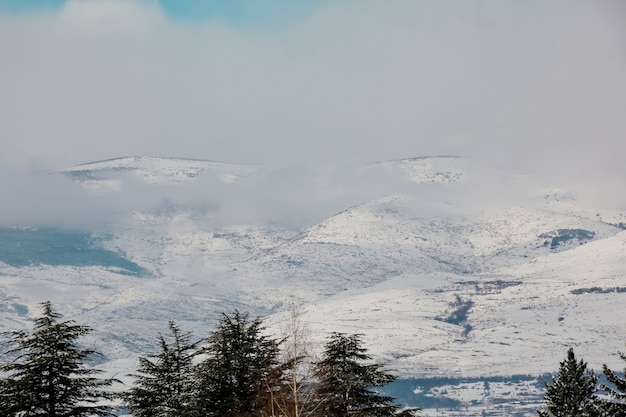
{"x": 158, "y": 169}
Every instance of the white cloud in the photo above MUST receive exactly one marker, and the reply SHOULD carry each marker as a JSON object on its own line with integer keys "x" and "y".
{"x": 537, "y": 85}
{"x": 109, "y": 18}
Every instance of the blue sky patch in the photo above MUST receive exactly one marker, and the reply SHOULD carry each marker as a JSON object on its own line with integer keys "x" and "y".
{"x": 236, "y": 12}
{"x": 24, "y": 6}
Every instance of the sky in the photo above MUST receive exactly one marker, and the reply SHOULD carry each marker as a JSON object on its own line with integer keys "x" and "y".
{"x": 535, "y": 86}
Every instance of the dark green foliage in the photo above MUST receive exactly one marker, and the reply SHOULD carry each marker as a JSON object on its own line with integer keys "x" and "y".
{"x": 238, "y": 375}
{"x": 163, "y": 382}
{"x": 458, "y": 314}
{"x": 561, "y": 236}
{"x": 346, "y": 384}
{"x": 616, "y": 406}
{"x": 459, "y": 310}
{"x": 598, "y": 290}
{"x": 46, "y": 376}
{"x": 573, "y": 391}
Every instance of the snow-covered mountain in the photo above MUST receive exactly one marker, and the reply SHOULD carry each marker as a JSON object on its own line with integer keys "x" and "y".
{"x": 440, "y": 284}
{"x": 156, "y": 170}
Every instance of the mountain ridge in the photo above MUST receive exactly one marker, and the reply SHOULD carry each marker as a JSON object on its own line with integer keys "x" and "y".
{"x": 534, "y": 274}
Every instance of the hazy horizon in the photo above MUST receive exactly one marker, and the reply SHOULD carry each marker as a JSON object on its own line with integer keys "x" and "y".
{"x": 533, "y": 88}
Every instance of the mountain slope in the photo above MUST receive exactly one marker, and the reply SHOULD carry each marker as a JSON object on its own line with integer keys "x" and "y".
{"x": 440, "y": 284}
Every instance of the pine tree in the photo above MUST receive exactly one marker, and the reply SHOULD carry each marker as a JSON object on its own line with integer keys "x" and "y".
{"x": 346, "y": 383}
{"x": 47, "y": 376}
{"x": 616, "y": 406}
{"x": 163, "y": 380}
{"x": 572, "y": 392}
{"x": 240, "y": 372}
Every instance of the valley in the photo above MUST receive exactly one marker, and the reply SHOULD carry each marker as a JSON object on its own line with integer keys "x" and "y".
{"x": 470, "y": 300}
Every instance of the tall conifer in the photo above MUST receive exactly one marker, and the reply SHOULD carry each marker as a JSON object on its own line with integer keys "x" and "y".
{"x": 163, "y": 382}
{"x": 346, "y": 382}
{"x": 616, "y": 405}
{"x": 46, "y": 373}
{"x": 572, "y": 392}
{"x": 239, "y": 373}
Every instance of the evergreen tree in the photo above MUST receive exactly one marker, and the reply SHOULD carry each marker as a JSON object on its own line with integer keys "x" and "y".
{"x": 47, "y": 376}
{"x": 163, "y": 380}
{"x": 616, "y": 406}
{"x": 346, "y": 384}
{"x": 240, "y": 372}
{"x": 572, "y": 392}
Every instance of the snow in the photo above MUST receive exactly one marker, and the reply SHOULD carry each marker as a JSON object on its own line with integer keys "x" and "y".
{"x": 388, "y": 268}
{"x": 157, "y": 170}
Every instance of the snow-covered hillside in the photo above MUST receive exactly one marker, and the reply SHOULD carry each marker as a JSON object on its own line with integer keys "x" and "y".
{"x": 109, "y": 173}
{"x": 438, "y": 284}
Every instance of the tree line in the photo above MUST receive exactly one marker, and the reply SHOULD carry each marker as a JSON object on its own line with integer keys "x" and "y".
{"x": 237, "y": 371}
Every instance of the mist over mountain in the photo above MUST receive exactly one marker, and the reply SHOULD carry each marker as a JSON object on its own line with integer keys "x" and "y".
{"x": 258, "y": 237}
{"x": 444, "y": 177}
{"x": 447, "y": 270}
